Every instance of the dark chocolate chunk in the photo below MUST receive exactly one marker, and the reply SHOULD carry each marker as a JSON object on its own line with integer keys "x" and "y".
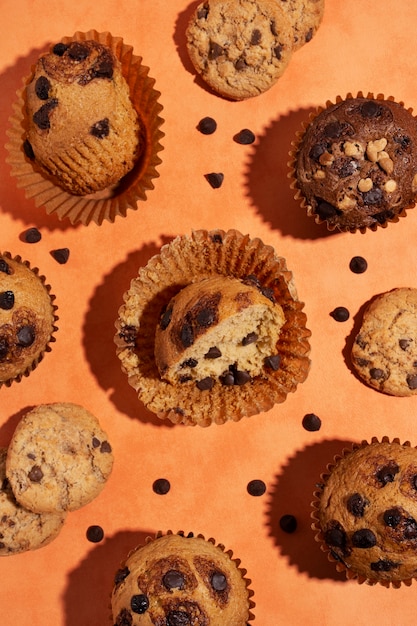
{"x": 121, "y": 574}
{"x": 95, "y": 534}
{"x": 28, "y": 150}
{"x": 104, "y": 69}
{"x": 241, "y": 377}
{"x": 32, "y": 235}
{"x": 387, "y": 473}
{"x": 244, "y": 137}
{"x": 41, "y": 116}
{"x": 250, "y": 338}
{"x": 240, "y": 64}
{"x": 189, "y": 363}
{"x": 383, "y": 565}
{"x": 4, "y": 348}
{"x": 59, "y": 49}
{"x": 268, "y": 292}
{"x": 376, "y": 373}
{"x": 278, "y": 52}
{"x": 215, "y": 51}
{"x": 95, "y": 442}
{"x": 215, "y": 179}
{"x": 288, "y": 523}
{"x": 26, "y": 336}
{"x": 165, "y": 319}
{"x": 334, "y": 130}
{"x": 218, "y": 581}
{"x": 101, "y": 128}
{"x": 4, "y": 267}
{"x": 325, "y": 210}
{"x": 256, "y": 487}
{"x": 187, "y": 335}
{"x": 173, "y": 580}
{"x": 203, "y": 12}
{"x": 410, "y": 528}
{"x": 178, "y": 618}
{"x": 373, "y": 196}
{"x": 227, "y": 379}
{"x": 6, "y": 300}
{"x": 363, "y": 538}
{"x": 205, "y": 384}
{"x": 207, "y": 126}
{"x": 105, "y": 447}
{"x": 256, "y": 37}
{"x": 311, "y": 422}
{"x": 61, "y": 255}
{"x": 206, "y": 317}
{"x": 36, "y": 474}
{"x": 78, "y": 51}
{"x": 309, "y": 35}
{"x": 213, "y": 353}
{"x": 340, "y": 314}
{"x": 412, "y": 381}
{"x": 356, "y": 504}
{"x": 273, "y": 362}
{"x": 371, "y": 109}
{"x": 404, "y": 343}
{"x": 335, "y": 536}
{"x": 358, "y": 265}
{"x": 42, "y": 87}
{"x": 139, "y": 603}
{"x": 185, "y": 378}
{"x": 161, "y": 486}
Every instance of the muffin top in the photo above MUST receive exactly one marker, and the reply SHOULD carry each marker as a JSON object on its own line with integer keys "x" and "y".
{"x": 356, "y": 164}
{"x": 367, "y": 511}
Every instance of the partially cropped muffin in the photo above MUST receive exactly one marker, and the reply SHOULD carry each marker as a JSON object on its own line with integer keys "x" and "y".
{"x": 27, "y": 318}
{"x": 81, "y": 126}
{"x": 180, "y": 579}
{"x": 366, "y": 512}
{"x": 355, "y": 163}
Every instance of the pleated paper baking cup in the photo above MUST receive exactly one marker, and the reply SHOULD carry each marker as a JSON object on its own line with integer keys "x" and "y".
{"x": 28, "y": 317}
{"x": 114, "y": 201}
{"x": 353, "y": 164}
{"x": 365, "y": 512}
{"x": 184, "y": 576}
{"x": 185, "y": 260}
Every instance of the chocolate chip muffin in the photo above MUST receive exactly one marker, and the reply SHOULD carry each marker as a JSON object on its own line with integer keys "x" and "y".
{"x": 27, "y": 318}
{"x": 208, "y": 392}
{"x": 355, "y": 165}
{"x": 59, "y": 458}
{"x": 240, "y": 47}
{"x": 366, "y": 512}
{"x": 219, "y": 329}
{"x": 82, "y": 129}
{"x": 181, "y": 579}
{"x": 384, "y": 353}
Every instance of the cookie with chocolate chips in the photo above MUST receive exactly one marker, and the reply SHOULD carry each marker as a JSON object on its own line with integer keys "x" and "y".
{"x": 82, "y": 130}
{"x": 366, "y": 512}
{"x": 305, "y": 17}
{"x": 240, "y": 47}
{"x": 180, "y": 579}
{"x": 384, "y": 352}
{"x": 59, "y": 458}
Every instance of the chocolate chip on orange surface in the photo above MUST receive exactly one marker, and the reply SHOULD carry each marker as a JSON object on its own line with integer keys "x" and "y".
{"x": 256, "y": 487}
{"x": 95, "y": 533}
{"x": 61, "y": 255}
{"x": 215, "y": 179}
{"x": 207, "y": 126}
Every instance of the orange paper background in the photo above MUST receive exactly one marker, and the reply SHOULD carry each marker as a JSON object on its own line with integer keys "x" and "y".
{"x": 368, "y": 46}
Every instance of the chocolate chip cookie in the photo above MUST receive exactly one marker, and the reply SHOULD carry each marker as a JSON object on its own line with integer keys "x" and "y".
{"x": 21, "y": 529}
{"x": 240, "y": 47}
{"x": 59, "y": 458}
{"x": 384, "y": 353}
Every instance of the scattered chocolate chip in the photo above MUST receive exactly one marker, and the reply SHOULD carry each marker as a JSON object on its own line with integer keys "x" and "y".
{"x": 240, "y": 64}
{"x": 273, "y": 362}
{"x": 383, "y": 565}
{"x": 412, "y": 381}
{"x": 202, "y": 12}
{"x": 161, "y": 486}
{"x": 26, "y": 336}
{"x": 335, "y": 536}
{"x": 370, "y": 109}
{"x": 165, "y": 319}
{"x": 95, "y": 442}
{"x": 59, "y": 49}
{"x": 207, "y": 126}
{"x": 250, "y": 338}
{"x": 121, "y": 574}
{"x": 105, "y": 447}
{"x": 6, "y": 300}
{"x": 173, "y": 580}
{"x": 340, "y": 314}
{"x": 189, "y": 363}
{"x": 256, "y": 487}
{"x": 325, "y": 210}
{"x": 78, "y": 51}
{"x": 187, "y": 335}
{"x": 256, "y": 37}
{"x": 61, "y": 255}
{"x": 41, "y": 116}
{"x": 278, "y": 52}
{"x": 215, "y": 51}
{"x": 95, "y": 534}
{"x": 101, "y": 128}
{"x": 205, "y": 384}
{"x": 227, "y": 379}
{"x": 139, "y": 603}
{"x": 387, "y": 473}
{"x": 206, "y": 317}
{"x": 334, "y": 130}
{"x": 376, "y": 373}
{"x": 404, "y": 343}
{"x": 28, "y": 150}
{"x": 4, "y": 267}
{"x": 410, "y": 529}
{"x": 288, "y": 523}
{"x": 36, "y": 474}
{"x": 356, "y": 505}
{"x": 32, "y": 235}
{"x": 215, "y": 179}
{"x": 218, "y": 581}
{"x": 373, "y": 196}
{"x": 392, "y": 517}
{"x": 311, "y": 422}
{"x": 178, "y": 618}
{"x": 309, "y": 35}
{"x": 358, "y": 265}
{"x": 244, "y": 137}
{"x": 4, "y": 347}
{"x": 104, "y": 69}
{"x": 241, "y": 377}
{"x": 42, "y": 87}
{"x": 213, "y": 353}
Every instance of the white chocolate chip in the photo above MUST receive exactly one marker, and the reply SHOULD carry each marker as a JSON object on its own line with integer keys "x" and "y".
{"x": 365, "y": 184}
{"x": 390, "y": 186}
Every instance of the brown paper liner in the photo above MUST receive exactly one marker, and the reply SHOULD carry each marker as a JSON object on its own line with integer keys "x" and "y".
{"x": 186, "y": 260}
{"x": 292, "y": 164}
{"x": 112, "y": 202}
{"x": 341, "y": 566}
{"x": 52, "y": 339}
{"x": 243, "y": 572}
